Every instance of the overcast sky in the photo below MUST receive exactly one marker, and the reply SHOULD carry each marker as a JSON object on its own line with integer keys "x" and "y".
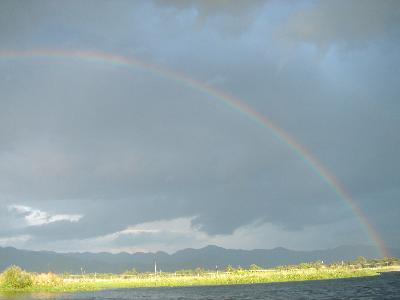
{"x": 104, "y": 158}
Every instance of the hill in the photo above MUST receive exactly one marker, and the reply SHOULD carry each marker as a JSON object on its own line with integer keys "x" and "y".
{"x": 208, "y": 257}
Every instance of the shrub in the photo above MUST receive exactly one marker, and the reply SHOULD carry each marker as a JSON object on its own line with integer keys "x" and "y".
{"x": 255, "y": 267}
{"x": 229, "y": 268}
{"x": 131, "y": 272}
{"x": 199, "y": 271}
{"x": 16, "y": 278}
{"x": 49, "y": 279}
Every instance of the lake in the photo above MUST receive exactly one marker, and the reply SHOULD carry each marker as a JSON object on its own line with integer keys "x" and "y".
{"x": 386, "y": 286}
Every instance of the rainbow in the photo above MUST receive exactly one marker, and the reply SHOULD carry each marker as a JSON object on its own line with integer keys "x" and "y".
{"x": 229, "y": 100}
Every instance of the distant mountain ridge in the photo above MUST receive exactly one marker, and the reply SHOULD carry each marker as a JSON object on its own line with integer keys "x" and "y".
{"x": 208, "y": 257}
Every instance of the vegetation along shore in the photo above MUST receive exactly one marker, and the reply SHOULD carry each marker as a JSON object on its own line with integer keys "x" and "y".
{"x": 14, "y": 279}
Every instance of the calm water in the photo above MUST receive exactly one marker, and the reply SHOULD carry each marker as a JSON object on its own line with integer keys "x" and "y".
{"x": 386, "y": 286}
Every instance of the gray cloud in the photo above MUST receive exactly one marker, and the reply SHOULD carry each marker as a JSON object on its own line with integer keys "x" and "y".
{"x": 158, "y": 237}
{"x": 228, "y": 17}
{"x": 346, "y": 24}
{"x": 209, "y": 7}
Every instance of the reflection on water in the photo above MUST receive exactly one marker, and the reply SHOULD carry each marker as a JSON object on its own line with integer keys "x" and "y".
{"x": 386, "y": 286}
{"x": 27, "y": 296}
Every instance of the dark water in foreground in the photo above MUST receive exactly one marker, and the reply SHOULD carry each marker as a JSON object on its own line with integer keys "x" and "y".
{"x": 386, "y": 286}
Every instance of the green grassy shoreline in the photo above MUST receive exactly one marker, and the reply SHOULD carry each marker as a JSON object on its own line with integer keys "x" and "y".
{"x": 19, "y": 281}
{"x": 187, "y": 281}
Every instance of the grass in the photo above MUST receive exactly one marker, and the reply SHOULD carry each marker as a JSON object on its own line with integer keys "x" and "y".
{"x": 71, "y": 283}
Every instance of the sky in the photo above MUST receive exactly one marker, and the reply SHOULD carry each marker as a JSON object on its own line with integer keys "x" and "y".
{"x": 100, "y": 157}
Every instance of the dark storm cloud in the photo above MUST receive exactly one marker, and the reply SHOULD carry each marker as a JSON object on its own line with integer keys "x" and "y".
{"x": 123, "y": 147}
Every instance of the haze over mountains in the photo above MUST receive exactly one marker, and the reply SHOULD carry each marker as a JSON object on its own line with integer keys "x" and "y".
{"x": 208, "y": 257}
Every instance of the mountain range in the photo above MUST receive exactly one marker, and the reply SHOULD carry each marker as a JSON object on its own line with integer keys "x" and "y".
{"x": 208, "y": 257}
